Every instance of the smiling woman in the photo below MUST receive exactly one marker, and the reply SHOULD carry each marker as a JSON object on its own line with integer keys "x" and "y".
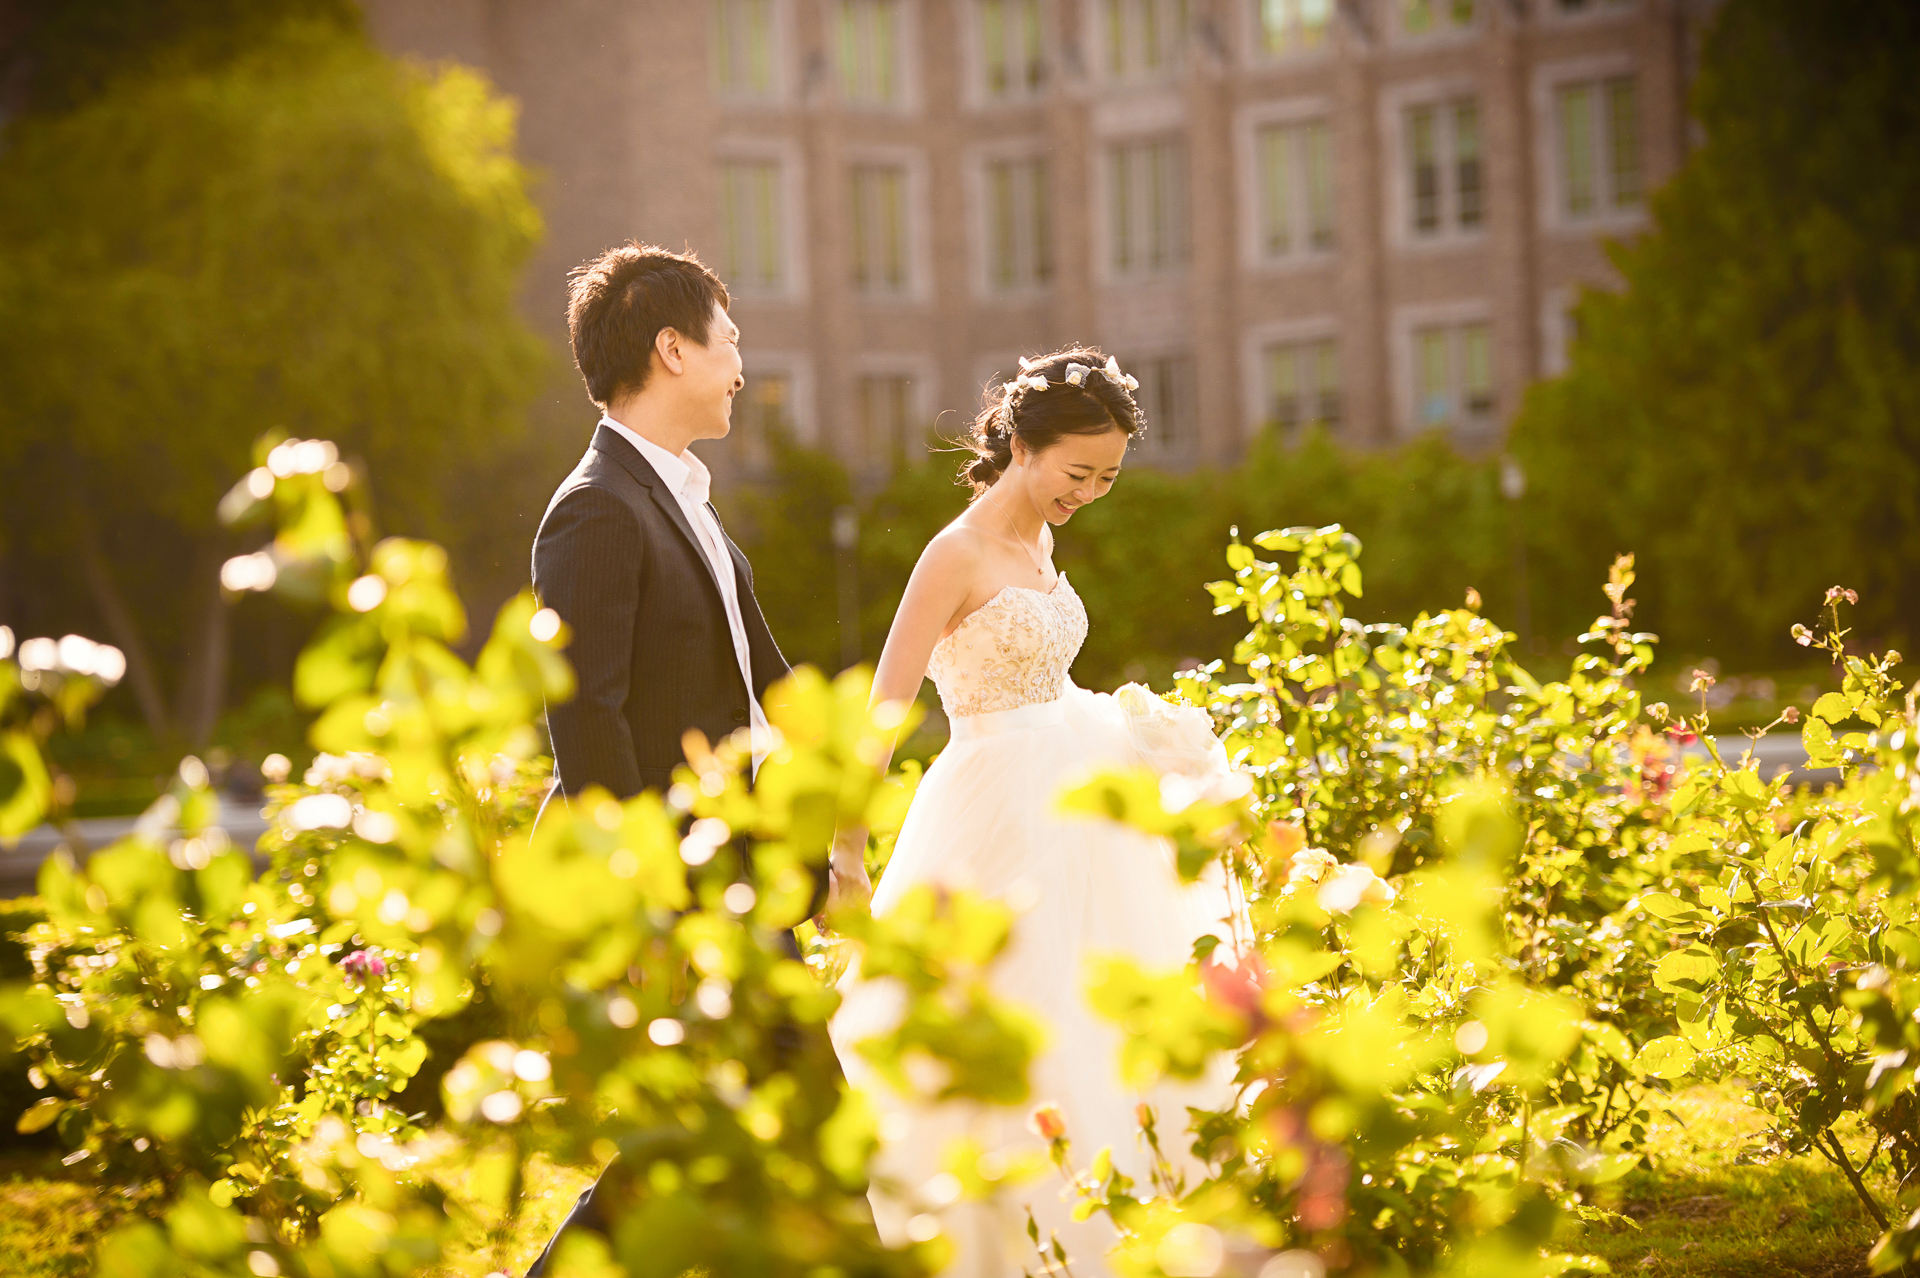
{"x": 997, "y": 627}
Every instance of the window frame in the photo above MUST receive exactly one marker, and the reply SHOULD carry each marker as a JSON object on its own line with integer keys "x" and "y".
{"x": 1253, "y": 36}
{"x": 1596, "y": 72}
{"x": 1289, "y": 113}
{"x": 1152, "y": 450}
{"x": 1106, "y": 212}
{"x": 1255, "y": 384}
{"x": 974, "y": 92}
{"x": 912, "y": 161}
{"x": 1444, "y": 97}
{"x": 782, "y": 39}
{"x": 1443, "y": 33}
{"x": 789, "y": 216}
{"x": 919, "y": 373}
{"x": 797, "y": 368}
{"x": 1451, "y": 317}
{"x": 906, "y": 98}
{"x": 1098, "y": 35}
{"x": 980, "y": 162}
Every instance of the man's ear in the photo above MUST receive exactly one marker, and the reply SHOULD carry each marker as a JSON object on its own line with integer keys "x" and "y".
{"x": 667, "y": 349}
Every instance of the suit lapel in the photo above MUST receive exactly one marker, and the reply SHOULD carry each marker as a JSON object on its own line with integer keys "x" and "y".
{"x": 760, "y": 641}
{"x": 637, "y": 466}
{"x": 647, "y": 477}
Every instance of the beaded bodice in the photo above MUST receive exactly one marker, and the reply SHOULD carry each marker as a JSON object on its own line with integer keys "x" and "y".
{"x": 1013, "y": 650}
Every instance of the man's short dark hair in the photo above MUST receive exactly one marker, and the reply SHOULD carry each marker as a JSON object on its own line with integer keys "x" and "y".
{"x": 618, "y": 303}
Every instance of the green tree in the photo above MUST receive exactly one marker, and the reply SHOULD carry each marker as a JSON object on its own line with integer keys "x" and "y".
{"x": 294, "y": 232}
{"x": 1757, "y": 380}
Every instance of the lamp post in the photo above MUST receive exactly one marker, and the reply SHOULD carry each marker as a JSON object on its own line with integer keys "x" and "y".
{"x": 846, "y": 546}
{"x": 1513, "y": 486}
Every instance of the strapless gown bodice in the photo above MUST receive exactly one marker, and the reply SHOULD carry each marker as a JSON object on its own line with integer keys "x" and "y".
{"x": 1012, "y": 651}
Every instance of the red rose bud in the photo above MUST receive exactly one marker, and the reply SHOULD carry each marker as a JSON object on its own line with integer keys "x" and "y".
{"x": 1048, "y": 1125}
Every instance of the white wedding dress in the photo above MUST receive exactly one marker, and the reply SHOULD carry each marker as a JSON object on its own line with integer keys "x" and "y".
{"x": 984, "y": 819}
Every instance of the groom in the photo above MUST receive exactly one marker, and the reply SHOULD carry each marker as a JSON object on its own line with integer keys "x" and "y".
{"x": 667, "y": 635}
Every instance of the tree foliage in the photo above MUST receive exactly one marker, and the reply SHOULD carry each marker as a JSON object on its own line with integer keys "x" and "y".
{"x": 294, "y": 233}
{"x": 1745, "y": 412}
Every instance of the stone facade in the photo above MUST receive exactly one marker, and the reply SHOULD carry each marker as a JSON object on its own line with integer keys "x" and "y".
{"x": 1372, "y": 213}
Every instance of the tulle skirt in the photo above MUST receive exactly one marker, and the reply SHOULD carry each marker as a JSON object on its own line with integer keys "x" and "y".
{"x": 984, "y": 819}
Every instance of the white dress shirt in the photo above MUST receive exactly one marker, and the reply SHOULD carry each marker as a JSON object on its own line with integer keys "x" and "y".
{"x": 688, "y": 478}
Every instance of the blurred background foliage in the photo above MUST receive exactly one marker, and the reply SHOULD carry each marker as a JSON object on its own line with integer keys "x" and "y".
{"x": 243, "y": 220}
{"x": 1744, "y": 413}
{"x": 221, "y": 217}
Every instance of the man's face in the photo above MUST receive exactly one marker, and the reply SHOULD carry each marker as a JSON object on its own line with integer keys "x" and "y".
{"x": 712, "y": 375}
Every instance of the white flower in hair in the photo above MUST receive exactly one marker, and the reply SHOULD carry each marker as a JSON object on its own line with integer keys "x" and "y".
{"x": 1077, "y": 374}
{"x": 1032, "y": 381}
{"x": 1027, "y": 365}
{"x": 1112, "y": 370}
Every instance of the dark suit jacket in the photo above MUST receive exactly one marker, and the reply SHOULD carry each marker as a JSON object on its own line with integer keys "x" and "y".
{"x": 617, "y": 558}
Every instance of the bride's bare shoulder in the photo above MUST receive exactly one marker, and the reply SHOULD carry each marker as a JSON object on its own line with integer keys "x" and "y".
{"x": 955, "y": 553}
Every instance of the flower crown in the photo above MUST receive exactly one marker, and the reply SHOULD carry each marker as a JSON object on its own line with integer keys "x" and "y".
{"x": 1076, "y": 375}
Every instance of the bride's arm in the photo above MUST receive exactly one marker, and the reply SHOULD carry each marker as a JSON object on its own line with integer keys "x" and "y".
{"x": 936, "y": 593}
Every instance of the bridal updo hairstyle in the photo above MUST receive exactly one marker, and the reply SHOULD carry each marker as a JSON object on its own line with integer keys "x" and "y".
{"x": 1017, "y": 409}
{"x": 618, "y": 303}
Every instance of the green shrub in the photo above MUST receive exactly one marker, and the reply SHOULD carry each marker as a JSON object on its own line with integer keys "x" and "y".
{"x": 1490, "y": 915}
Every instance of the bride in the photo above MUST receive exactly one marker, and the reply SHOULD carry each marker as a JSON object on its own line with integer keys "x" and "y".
{"x": 997, "y": 627}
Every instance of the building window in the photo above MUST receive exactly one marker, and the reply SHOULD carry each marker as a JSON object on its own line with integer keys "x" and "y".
{"x": 1559, "y": 329}
{"x": 1019, "y": 230}
{"x": 1598, "y": 127}
{"x": 1012, "y": 48}
{"x": 869, "y": 49}
{"x": 1429, "y": 17}
{"x": 752, "y": 221}
{"x": 888, "y": 434}
{"x": 763, "y": 409}
{"x": 1303, "y": 384}
{"x": 1444, "y": 174}
{"x": 1147, "y": 205}
{"x": 1295, "y": 174}
{"x": 1144, "y": 37}
{"x": 743, "y": 44}
{"x": 1292, "y": 26}
{"x": 1168, "y": 400}
{"x": 1453, "y": 377}
{"x": 879, "y": 227}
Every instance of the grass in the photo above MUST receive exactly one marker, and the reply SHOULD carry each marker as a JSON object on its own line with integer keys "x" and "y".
{"x": 1703, "y": 1211}
{"x": 47, "y": 1223}
{"x": 1706, "y": 1210}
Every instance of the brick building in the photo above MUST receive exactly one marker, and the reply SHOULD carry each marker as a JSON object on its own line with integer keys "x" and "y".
{"x": 1372, "y": 214}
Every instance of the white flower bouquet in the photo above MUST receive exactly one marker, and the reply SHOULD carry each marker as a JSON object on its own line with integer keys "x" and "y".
{"x": 1177, "y": 742}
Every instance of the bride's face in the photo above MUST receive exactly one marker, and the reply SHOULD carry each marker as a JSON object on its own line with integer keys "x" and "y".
{"x": 1068, "y": 474}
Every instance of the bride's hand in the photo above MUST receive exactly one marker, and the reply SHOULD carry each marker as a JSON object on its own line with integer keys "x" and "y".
{"x": 848, "y": 886}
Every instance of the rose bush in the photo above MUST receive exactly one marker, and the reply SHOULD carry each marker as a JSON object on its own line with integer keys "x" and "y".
{"x": 1491, "y": 916}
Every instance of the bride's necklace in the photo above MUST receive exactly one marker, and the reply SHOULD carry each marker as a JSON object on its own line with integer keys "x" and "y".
{"x": 1013, "y": 534}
